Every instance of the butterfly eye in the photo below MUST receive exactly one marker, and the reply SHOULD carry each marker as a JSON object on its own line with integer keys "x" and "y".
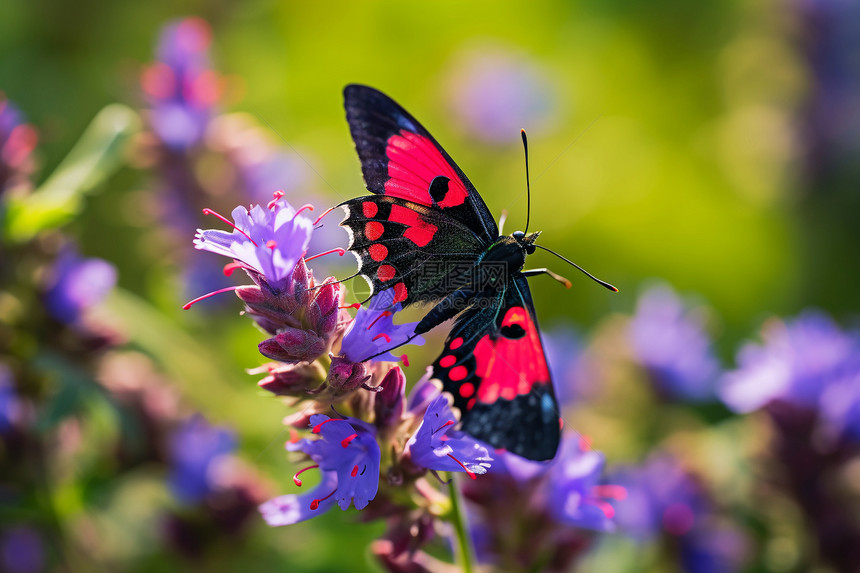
{"x": 530, "y": 249}
{"x": 518, "y": 235}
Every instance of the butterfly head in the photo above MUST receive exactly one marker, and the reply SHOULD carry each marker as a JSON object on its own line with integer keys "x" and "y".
{"x": 527, "y": 242}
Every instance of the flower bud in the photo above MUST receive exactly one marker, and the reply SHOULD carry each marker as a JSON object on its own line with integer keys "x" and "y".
{"x": 345, "y": 376}
{"x": 293, "y": 345}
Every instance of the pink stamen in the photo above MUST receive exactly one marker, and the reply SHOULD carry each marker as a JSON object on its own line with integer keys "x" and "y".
{"x": 294, "y": 435}
{"x": 348, "y": 440}
{"x": 381, "y": 335}
{"x": 324, "y": 213}
{"x": 405, "y": 359}
{"x": 383, "y": 315}
{"x": 229, "y": 222}
{"x": 230, "y": 267}
{"x": 354, "y": 471}
{"x": 610, "y": 491}
{"x": 296, "y": 479}
{"x": 188, "y": 305}
{"x": 443, "y": 426}
{"x": 319, "y": 426}
{"x": 355, "y": 305}
{"x": 338, "y": 250}
{"x": 276, "y": 196}
{"x": 305, "y": 207}
{"x": 607, "y": 509}
{"x": 470, "y": 473}
{"x": 315, "y": 504}
{"x": 271, "y": 244}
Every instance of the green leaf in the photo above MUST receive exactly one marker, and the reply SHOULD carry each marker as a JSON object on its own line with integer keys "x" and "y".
{"x": 95, "y": 156}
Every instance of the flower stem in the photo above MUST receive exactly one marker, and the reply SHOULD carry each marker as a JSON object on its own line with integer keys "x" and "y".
{"x": 464, "y": 540}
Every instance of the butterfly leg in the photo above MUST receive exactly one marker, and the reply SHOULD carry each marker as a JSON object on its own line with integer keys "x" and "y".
{"x": 558, "y": 277}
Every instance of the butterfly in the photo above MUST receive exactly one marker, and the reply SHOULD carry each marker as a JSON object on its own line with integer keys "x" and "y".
{"x": 426, "y": 233}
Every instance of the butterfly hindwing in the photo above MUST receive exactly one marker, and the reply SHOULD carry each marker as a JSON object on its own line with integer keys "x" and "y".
{"x": 399, "y": 158}
{"x": 416, "y": 250}
{"x": 495, "y": 368}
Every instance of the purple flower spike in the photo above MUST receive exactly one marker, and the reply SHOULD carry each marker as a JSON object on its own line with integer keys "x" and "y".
{"x": 673, "y": 346}
{"x": 269, "y": 240}
{"x": 437, "y": 446}
{"x": 78, "y": 285}
{"x": 797, "y": 361}
{"x": 292, "y": 508}
{"x": 348, "y": 456}
{"x": 578, "y": 500}
{"x": 181, "y": 87}
{"x": 17, "y": 141}
{"x": 373, "y": 330}
{"x": 195, "y": 449}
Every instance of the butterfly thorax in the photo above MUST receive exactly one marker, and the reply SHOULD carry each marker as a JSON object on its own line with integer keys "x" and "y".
{"x": 504, "y": 257}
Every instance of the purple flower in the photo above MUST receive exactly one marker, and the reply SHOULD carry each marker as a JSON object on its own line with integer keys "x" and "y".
{"x": 840, "y": 403}
{"x": 664, "y": 501}
{"x": 661, "y": 497}
{"x": 181, "y": 87}
{"x": 348, "y": 457}
{"x": 494, "y": 93}
{"x": 373, "y": 331}
{"x": 9, "y": 404}
{"x": 437, "y": 446}
{"x": 196, "y": 448}
{"x": 17, "y": 141}
{"x": 672, "y": 345}
{"x": 268, "y": 240}
{"x": 78, "y": 284}
{"x": 796, "y": 363}
{"x": 22, "y": 550}
{"x": 577, "y": 499}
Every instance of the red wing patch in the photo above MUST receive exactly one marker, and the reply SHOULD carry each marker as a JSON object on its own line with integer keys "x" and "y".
{"x": 413, "y": 163}
{"x": 420, "y": 231}
{"x": 511, "y": 364}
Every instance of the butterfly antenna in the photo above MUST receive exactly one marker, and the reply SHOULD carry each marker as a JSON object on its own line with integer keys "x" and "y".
{"x": 528, "y": 187}
{"x": 585, "y": 272}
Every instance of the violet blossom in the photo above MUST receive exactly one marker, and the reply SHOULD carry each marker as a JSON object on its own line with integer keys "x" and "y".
{"x": 373, "y": 331}
{"x": 17, "y": 142}
{"x": 797, "y": 362}
{"x": 347, "y": 455}
{"x": 77, "y": 285}
{"x": 181, "y": 87}
{"x": 671, "y": 344}
{"x": 268, "y": 240}
{"x": 438, "y": 446}
{"x": 196, "y": 449}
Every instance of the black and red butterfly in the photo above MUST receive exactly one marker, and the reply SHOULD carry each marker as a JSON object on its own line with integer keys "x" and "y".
{"x": 427, "y": 234}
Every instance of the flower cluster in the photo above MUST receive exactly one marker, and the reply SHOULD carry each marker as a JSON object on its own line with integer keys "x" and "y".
{"x": 367, "y": 439}
{"x": 666, "y": 503}
{"x": 673, "y": 347}
{"x": 181, "y": 87}
{"x": 555, "y": 504}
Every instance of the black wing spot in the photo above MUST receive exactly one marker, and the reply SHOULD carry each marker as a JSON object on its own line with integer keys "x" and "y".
{"x": 439, "y": 188}
{"x": 513, "y": 331}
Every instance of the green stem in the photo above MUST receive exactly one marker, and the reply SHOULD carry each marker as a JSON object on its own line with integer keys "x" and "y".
{"x": 464, "y": 540}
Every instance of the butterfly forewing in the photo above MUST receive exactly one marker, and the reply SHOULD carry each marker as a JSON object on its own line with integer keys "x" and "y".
{"x": 495, "y": 368}
{"x": 399, "y": 158}
{"x": 416, "y": 250}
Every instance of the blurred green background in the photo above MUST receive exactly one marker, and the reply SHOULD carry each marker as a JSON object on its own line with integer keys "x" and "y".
{"x": 670, "y": 140}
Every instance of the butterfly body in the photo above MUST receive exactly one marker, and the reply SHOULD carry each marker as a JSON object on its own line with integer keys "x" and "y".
{"x": 427, "y": 234}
